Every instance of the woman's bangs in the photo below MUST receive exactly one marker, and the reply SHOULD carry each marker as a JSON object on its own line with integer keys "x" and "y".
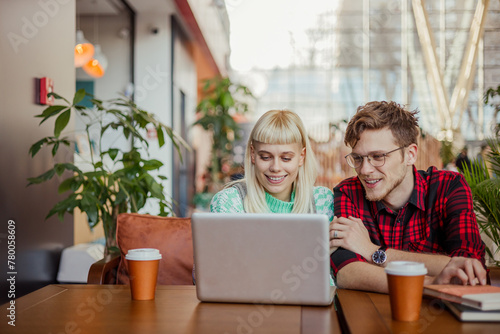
{"x": 279, "y": 135}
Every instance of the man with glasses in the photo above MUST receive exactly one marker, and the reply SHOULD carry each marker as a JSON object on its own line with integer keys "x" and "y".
{"x": 392, "y": 212}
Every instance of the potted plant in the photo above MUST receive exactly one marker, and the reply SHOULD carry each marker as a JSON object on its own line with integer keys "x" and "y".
{"x": 486, "y": 194}
{"x": 484, "y": 180}
{"x": 116, "y": 179}
{"x": 222, "y": 100}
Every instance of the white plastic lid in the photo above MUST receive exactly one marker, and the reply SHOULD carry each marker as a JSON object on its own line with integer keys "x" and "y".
{"x": 143, "y": 254}
{"x": 405, "y": 268}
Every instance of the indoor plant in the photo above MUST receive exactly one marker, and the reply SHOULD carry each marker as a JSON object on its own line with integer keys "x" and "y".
{"x": 485, "y": 187}
{"x": 117, "y": 179}
{"x": 485, "y": 184}
{"x": 222, "y": 100}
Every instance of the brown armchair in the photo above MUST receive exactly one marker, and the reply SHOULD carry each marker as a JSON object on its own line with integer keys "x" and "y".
{"x": 172, "y": 236}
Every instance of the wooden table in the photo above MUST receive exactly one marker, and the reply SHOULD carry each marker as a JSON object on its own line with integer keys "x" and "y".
{"x": 362, "y": 312}
{"x": 79, "y": 309}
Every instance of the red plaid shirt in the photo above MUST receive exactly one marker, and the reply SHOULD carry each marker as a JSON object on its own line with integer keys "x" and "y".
{"x": 438, "y": 218}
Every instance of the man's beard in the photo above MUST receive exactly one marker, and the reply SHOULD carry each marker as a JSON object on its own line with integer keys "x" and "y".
{"x": 374, "y": 198}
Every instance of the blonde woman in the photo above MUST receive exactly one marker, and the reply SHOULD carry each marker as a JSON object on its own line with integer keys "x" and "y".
{"x": 280, "y": 171}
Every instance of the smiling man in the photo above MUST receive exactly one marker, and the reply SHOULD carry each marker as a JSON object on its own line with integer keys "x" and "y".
{"x": 392, "y": 212}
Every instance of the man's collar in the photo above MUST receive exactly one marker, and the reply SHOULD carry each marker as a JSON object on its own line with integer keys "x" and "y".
{"x": 417, "y": 197}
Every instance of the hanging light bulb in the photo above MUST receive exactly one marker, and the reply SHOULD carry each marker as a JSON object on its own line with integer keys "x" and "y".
{"x": 96, "y": 66}
{"x": 84, "y": 50}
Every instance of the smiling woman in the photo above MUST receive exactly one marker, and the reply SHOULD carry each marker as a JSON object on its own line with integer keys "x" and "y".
{"x": 280, "y": 171}
{"x": 277, "y": 167}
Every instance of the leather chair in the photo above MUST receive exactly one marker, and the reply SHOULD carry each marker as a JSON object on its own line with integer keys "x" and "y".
{"x": 171, "y": 235}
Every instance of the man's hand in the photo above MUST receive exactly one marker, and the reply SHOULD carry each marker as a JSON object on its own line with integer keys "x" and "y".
{"x": 462, "y": 270}
{"x": 351, "y": 234}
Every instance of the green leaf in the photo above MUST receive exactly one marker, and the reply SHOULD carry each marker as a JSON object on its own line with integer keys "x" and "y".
{"x": 66, "y": 205}
{"x": 42, "y": 178}
{"x": 37, "y": 146}
{"x": 160, "y": 135}
{"x": 57, "y": 97}
{"x": 71, "y": 167}
{"x": 89, "y": 206}
{"x": 50, "y": 111}
{"x": 121, "y": 196}
{"x": 80, "y": 108}
{"x": 227, "y": 100}
{"x": 61, "y": 122}
{"x": 79, "y": 95}
{"x": 76, "y": 184}
{"x": 55, "y": 148}
{"x": 65, "y": 185}
{"x": 60, "y": 215}
{"x": 113, "y": 152}
{"x": 140, "y": 199}
{"x": 152, "y": 164}
{"x": 156, "y": 190}
{"x": 59, "y": 168}
{"x": 95, "y": 175}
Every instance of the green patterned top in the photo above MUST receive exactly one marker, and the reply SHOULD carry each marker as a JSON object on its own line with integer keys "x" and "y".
{"x": 229, "y": 201}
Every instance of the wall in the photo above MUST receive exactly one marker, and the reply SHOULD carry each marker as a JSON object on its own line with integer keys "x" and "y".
{"x": 183, "y": 116}
{"x": 36, "y": 40}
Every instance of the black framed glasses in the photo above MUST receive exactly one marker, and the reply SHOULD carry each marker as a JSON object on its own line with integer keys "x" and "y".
{"x": 376, "y": 160}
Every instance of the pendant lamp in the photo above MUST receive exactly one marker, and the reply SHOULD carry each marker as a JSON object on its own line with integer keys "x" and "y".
{"x": 96, "y": 66}
{"x": 84, "y": 50}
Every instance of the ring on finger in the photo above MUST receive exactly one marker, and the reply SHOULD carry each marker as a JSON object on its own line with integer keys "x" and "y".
{"x": 335, "y": 236}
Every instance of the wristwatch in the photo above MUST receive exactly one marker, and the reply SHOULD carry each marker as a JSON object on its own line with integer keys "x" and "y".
{"x": 379, "y": 257}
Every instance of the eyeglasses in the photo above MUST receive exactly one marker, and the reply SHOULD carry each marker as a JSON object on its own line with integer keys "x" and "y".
{"x": 376, "y": 160}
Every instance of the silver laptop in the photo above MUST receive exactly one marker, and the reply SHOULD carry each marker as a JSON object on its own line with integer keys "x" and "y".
{"x": 262, "y": 258}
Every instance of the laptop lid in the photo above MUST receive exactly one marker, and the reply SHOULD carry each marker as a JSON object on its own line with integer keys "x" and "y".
{"x": 262, "y": 258}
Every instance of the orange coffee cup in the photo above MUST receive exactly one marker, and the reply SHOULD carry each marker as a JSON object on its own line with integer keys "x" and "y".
{"x": 406, "y": 284}
{"x": 143, "y": 266}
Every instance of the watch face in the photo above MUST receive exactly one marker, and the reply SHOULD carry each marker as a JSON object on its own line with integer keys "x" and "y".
{"x": 379, "y": 257}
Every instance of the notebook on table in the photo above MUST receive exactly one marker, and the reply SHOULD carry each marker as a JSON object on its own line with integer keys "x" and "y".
{"x": 262, "y": 258}
{"x": 467, "y": 313}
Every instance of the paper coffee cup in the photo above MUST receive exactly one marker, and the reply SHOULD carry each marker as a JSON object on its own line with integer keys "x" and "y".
{"x": 406, "y": 284}
{"x": 143, "y": 266}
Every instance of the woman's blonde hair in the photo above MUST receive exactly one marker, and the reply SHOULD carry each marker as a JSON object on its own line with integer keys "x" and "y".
{"x": 281, "y": 127}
